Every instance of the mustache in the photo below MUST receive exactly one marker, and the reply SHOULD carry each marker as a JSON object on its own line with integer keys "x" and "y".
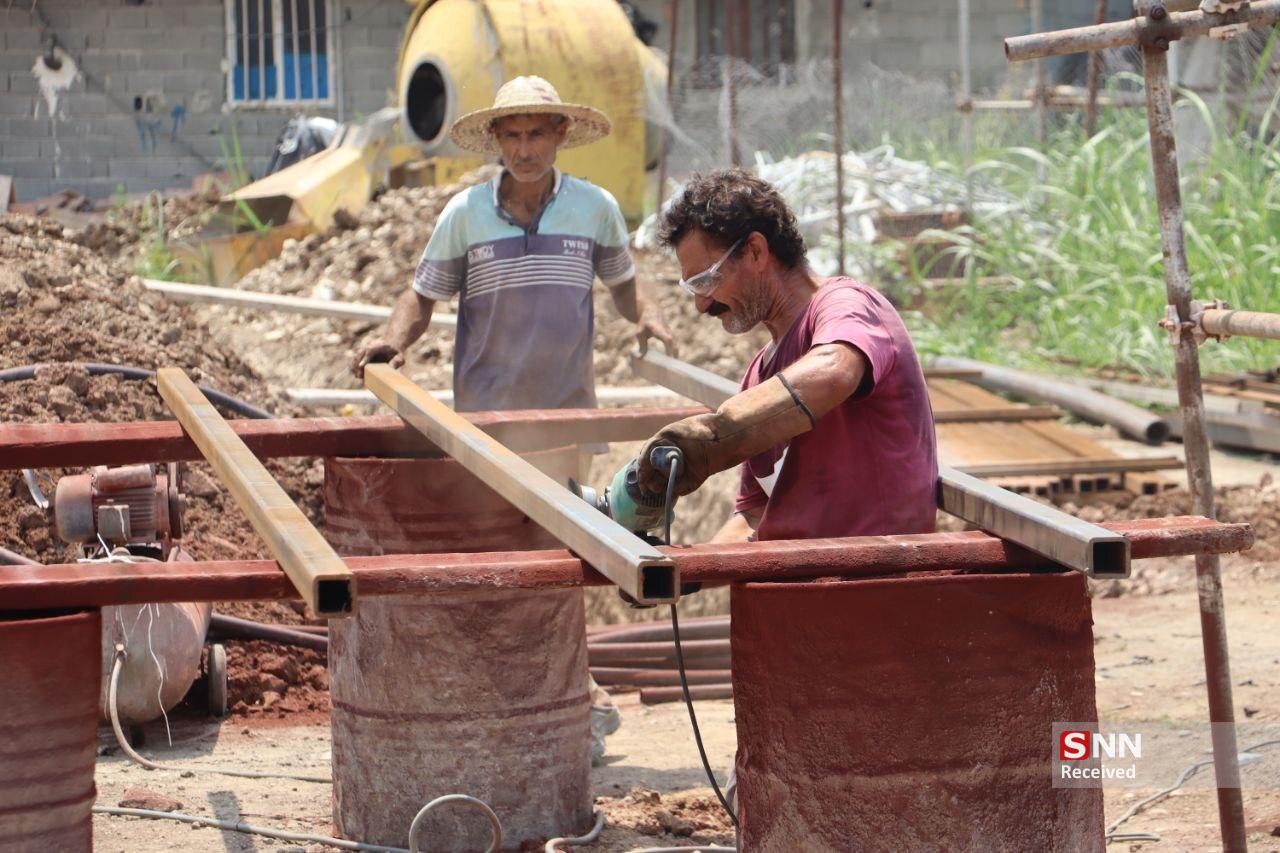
{"x": 717, "y": 308}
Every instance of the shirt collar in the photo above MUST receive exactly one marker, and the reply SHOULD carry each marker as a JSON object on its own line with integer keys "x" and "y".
{"x": 497, "y": 185}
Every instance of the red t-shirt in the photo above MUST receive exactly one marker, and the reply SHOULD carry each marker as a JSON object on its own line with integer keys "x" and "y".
{"x": 869, "y": 467}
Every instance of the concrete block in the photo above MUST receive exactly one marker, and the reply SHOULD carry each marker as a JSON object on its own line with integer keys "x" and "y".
{"x": 20, "y": 37}
{"x": 17, "y": 149}
{"x": 16, "y": 105}
{"x": 28, "y": 128}
{"x": 119, "y": 38}
{"x": 73, "y": 168}
{"x": 17, "y": 60}
{"x": 22, "y": 84}
{"x": 30, "y": 168}
{"x": 163, "y": 60}
{"x": 204, "y": 59}
{"x": 29, "y": 188}
{"x": 81, "y": 103}
{"x": 216, "y": 39}
{"x": 205, "y": 15}
{"x": 129, "y": 17}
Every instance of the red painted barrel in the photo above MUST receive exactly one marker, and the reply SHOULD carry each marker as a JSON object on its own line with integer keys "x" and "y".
{"x": 912, "y": 713}
{"x": 48, "y": 730}
{"x": 481, "y": 693}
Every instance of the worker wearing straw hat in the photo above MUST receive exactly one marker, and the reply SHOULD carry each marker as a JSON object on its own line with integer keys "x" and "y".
{"x": 522, "y": 252}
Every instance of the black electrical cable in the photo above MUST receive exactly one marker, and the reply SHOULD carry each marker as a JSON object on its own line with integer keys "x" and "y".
{"x": 226, "y": 401}
{"x": 674, "y": 463}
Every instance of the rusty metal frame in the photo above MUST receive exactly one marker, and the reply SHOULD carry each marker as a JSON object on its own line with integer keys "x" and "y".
{"x": 638, "y": 569}
{"x": 65, "y": 445}
{"x": 28, "y": 587}
{"x": 1153, "y": 32}
{"x": 314, "y": 568}
{"x": 1051, "y": 533}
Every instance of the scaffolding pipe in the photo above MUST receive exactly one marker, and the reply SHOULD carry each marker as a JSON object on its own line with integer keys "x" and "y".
{"x": 1095, "y": 75}
{"x": 673, "y": 17}
{"x": 966, "y": 99}
{"x": 1170, "y": 28}
{"x": 1177, "y": 277}
{"x": 1249, "y": 324}
{"x": 837, "y": 64}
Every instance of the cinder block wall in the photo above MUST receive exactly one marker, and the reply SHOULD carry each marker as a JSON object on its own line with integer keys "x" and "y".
{"x": 170, "y": 53}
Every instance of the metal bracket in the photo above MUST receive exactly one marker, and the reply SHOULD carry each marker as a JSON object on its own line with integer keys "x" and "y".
{"x": 1222, "y": 7}
{"x": 1175, "y": 326}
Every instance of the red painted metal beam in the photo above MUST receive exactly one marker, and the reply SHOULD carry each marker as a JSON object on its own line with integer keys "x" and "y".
{"x": 75, "y": 445}
{"x": 98, "y": 584}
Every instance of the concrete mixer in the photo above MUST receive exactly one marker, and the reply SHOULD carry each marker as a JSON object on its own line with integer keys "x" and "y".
{"x": 454, "y": 56}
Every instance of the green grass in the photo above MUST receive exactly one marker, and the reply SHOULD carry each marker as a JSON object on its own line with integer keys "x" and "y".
{"x": 1086, "y": 256}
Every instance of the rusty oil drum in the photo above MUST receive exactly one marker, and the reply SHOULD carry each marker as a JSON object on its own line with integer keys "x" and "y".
{"x": 912, "y": 713}
{"x": 480, "y": 693}
{"x": 48, "y": 729}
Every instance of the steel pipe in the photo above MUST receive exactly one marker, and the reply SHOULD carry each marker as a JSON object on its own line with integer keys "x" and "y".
{"x": 1089, "y": 405}
{"x": 658, "y": 695}
{"x": 1249, "y": 324}
{"x": 1177, "y": 278}
{"x": 13, "y": 558}
{"x": 95, "y": 584}
{"x": 1174, "y": 26}
{"x": 616, "y": 676}
{"x": 626, "y": 652}
{"x": 231, "y": 628}
{"x": 709, "y": 628}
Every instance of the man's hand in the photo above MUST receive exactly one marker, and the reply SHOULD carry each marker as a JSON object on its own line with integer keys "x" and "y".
{"x": 376, "y": 351}
{"x": 693, "y": 436}
{"x": 652, "y": 325}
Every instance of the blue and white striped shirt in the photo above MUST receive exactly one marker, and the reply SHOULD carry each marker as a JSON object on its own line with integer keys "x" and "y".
{"x": 525, "y": 321}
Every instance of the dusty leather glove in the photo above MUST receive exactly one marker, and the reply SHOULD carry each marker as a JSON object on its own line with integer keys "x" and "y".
{"x": 746, "y": 424}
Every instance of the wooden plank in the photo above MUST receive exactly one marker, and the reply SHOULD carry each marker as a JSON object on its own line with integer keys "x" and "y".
{"x": 252, "y": 300}
{"x": 73, "y": 445}
{"x": 317, "y": 572}
{"x": 638, "y": 569}
{"x": 1003, "y": 413}
{"x": 1071, "y": 466}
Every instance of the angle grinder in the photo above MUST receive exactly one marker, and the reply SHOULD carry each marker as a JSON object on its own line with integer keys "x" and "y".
{"x": 623, "y": 501}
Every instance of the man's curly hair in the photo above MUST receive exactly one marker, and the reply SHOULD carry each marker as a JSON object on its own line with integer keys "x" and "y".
{"x": 729, "y": 204}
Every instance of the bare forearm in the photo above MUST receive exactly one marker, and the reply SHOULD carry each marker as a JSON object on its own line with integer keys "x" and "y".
{"x": 629, "y": 298}
{"x": 741, "y": 527}
{"x": 409, "y": 319}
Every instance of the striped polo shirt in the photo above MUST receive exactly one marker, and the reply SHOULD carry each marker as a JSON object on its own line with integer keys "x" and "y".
{"x": 525, "y": 321}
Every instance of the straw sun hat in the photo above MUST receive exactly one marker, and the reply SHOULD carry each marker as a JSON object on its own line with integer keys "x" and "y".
{"x": 526, "y": 96}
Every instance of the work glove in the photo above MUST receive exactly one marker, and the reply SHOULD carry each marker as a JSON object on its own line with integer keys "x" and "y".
{"x": 746, "y": 424}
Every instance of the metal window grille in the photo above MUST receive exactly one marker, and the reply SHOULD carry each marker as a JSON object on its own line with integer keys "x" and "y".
{"x": 762, "y": 35}
{"x": 280, "y": 52}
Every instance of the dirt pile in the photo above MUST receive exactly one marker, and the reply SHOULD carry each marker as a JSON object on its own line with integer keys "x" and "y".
{"x": 647, "y": 818}
{"x": 267, "y": 680}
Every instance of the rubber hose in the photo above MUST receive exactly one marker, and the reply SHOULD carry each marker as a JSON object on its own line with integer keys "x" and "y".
{"x": 226, "y": 401}
{"x": 553, "y": 846}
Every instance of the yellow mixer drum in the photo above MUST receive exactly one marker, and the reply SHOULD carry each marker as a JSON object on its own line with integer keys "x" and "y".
{"x": 460, "y": 51}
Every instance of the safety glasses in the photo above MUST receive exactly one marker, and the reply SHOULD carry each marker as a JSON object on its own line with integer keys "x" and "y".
{"x": 705, "y": 282}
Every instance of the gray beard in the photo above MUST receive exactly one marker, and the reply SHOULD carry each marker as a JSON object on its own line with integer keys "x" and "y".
{"x": 752, "y": 313}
